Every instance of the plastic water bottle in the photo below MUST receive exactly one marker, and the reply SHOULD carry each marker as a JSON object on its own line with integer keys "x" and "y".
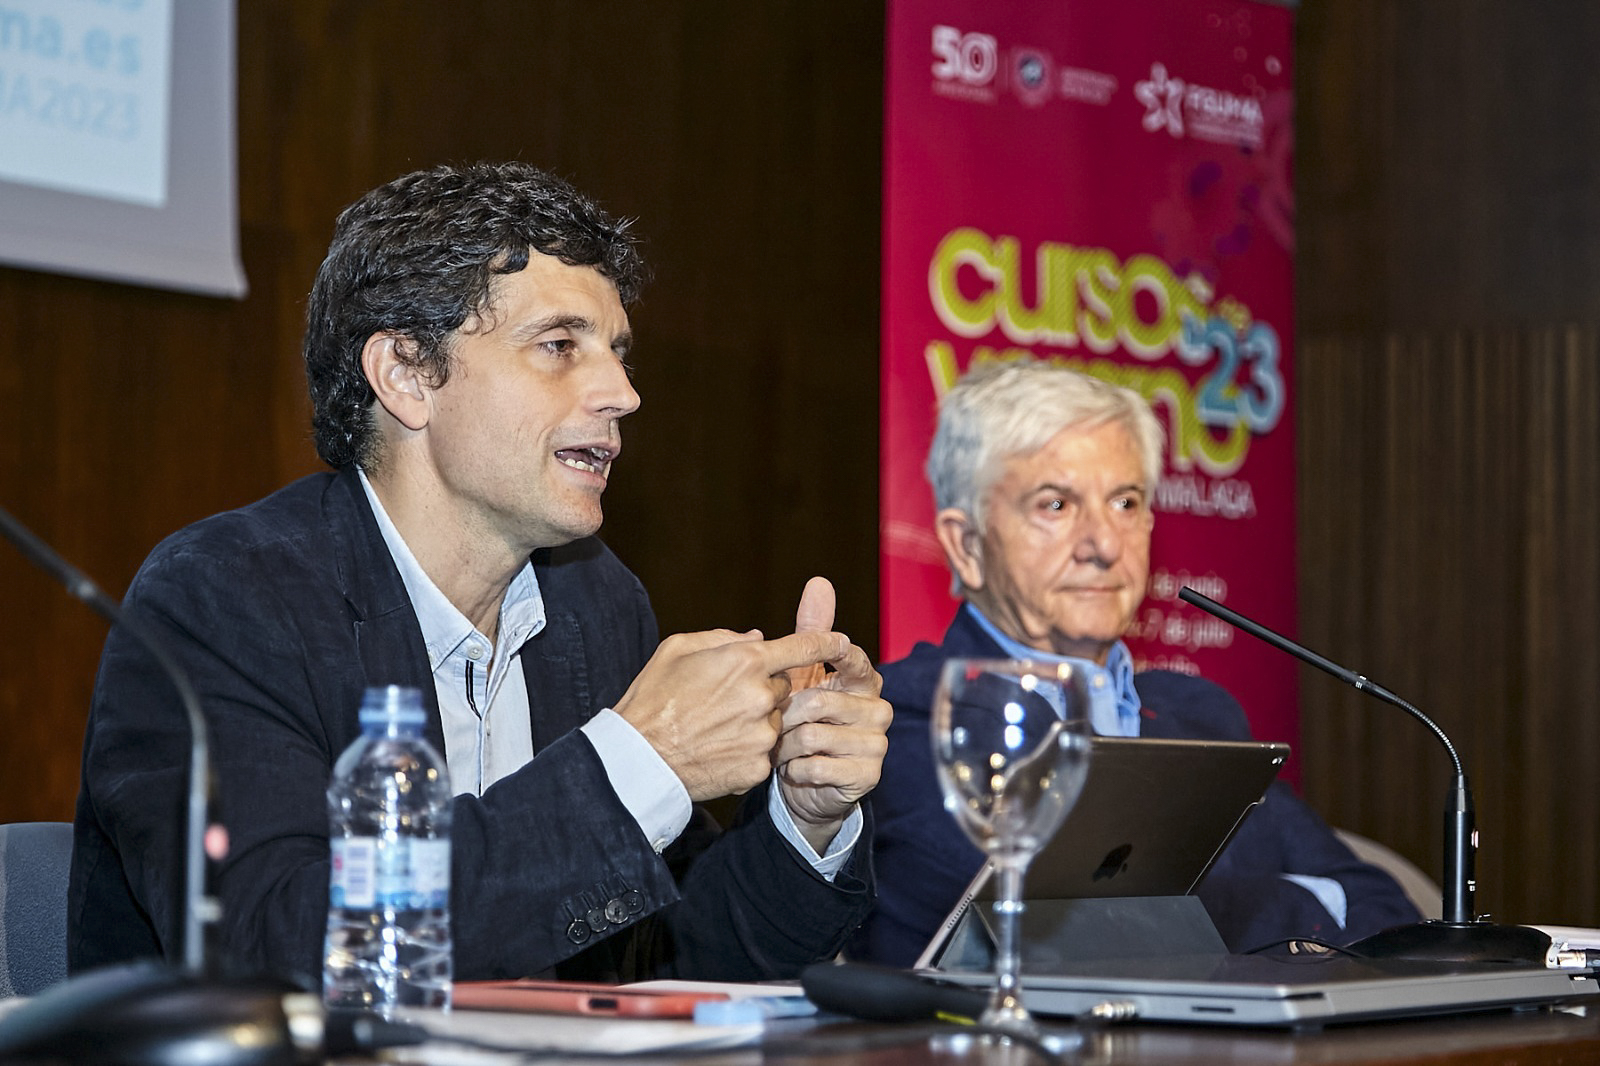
{"x": 388, "y": 939}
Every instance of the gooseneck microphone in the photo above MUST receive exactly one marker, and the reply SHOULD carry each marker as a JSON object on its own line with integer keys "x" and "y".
{"x": 1459, "y": 935}
{"x": 200, "y": 907}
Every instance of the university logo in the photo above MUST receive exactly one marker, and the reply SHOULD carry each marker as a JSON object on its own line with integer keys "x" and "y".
{"x": 1030, "y": 74}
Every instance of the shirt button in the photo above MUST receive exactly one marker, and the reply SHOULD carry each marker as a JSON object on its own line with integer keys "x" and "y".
{"x": 474, "y": 652}
{"x": 1099, "y": 682}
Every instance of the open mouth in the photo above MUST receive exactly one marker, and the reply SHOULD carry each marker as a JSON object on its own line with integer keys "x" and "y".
{"x": 593, "y": 460}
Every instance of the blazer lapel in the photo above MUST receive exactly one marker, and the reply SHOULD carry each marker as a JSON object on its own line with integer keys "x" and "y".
{"x": 557, "y": 677}
{"x": 388, "y": 637}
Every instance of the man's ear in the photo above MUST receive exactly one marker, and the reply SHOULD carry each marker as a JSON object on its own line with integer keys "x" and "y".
{"x": 962, "y": 545}
{"x": 400, "y": 387}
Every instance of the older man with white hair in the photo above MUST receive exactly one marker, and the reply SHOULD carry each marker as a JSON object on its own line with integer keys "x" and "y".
{"x": 1043, "y": 479}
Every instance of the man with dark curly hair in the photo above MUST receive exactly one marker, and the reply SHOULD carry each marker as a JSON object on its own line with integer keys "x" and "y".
{"x": 465, "y": 345}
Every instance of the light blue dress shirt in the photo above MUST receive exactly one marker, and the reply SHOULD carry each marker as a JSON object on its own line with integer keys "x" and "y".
{"x": 488, "y": 733}
{"x": 1113, "y": 701}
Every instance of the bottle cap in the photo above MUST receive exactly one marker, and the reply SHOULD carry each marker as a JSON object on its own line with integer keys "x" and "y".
{"x": 397, "y": 704}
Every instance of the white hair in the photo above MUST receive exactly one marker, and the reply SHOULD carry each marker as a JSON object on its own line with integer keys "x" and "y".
{"x": 1001, "y": 410}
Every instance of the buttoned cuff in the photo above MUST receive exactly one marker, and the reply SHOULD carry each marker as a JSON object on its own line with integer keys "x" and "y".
{"x": 839, "y": 850}
{"x": 1329, "y": 893}
{"x": 641, "y": 778}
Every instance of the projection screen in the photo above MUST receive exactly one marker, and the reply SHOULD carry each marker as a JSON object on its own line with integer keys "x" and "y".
{"x": 117, "y": 150}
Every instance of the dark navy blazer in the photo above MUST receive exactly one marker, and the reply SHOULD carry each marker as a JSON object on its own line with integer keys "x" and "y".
{"x": 924, "y": 861}
{"x": 283, "y": 613}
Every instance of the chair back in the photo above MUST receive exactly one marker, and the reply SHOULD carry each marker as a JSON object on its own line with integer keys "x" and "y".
{"x": 34, "y": 860}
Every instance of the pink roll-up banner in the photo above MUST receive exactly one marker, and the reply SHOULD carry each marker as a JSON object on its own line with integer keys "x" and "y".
{"x": 1107, "y": 184}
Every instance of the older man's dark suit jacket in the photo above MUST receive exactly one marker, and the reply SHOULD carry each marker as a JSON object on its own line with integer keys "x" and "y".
{"x": 283, "y": 613}
{"x": 924, "y": 861}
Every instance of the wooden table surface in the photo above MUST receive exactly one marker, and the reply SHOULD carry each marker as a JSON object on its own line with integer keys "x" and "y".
{"x": 1525, "y": 1038}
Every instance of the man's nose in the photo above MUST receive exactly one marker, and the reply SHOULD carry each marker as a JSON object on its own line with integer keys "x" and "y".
{"x": 1098, "y": 540}
{"x": 610, "y": 390}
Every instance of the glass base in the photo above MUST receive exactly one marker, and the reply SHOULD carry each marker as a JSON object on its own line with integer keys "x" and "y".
{"x": 1010, "y": 1017}
{"x": 1014, "y": 1049}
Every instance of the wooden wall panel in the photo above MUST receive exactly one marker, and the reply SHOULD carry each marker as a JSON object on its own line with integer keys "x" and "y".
{"x": 1446, "y": 171}
{"x": 746, "y": 139}
{"x": 1449, "y": 552}
{"x": 1449, "y": 303}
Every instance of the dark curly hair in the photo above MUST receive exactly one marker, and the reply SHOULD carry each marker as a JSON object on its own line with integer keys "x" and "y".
{"x": 417, "y": 257}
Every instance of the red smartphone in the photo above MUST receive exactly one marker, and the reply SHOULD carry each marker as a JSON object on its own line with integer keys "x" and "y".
{"x": 569, "y": 997}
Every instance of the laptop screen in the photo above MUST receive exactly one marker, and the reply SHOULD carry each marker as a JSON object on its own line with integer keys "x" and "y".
{"x": 1151, "y": 820}
{"x": 1153, "y": 817}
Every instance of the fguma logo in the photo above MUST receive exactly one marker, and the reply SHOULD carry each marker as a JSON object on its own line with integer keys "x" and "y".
{"x": 1197, "y": 111}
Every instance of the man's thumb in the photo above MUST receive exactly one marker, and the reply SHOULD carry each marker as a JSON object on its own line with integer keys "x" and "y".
{"x": 817, "y": 602}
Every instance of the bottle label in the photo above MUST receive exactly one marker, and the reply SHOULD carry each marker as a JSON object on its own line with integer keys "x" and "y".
{"x": 405, "y": 874}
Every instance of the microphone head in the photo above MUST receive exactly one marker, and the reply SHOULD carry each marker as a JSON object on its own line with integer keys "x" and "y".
{"x": 884, "y": 994}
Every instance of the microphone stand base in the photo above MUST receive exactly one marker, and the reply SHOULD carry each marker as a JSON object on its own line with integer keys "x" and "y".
{"x": 149, "y": 1014}
{"x": 1462, "y": 942}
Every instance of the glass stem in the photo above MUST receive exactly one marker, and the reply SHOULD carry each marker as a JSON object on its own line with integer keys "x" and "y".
{"x": 1008, "y": 907}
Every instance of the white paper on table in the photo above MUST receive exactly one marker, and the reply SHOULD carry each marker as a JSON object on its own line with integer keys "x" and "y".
{"x": 732, "y": 989}
{"x": 1571, "y": 937}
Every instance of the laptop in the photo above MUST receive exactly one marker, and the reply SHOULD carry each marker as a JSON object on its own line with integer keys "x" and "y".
{"x": 1298, "y": 992}
{"x": 1113, "y": 931}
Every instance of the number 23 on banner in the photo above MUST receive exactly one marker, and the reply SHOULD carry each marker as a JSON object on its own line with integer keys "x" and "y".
{"x": 1219, "y": 401}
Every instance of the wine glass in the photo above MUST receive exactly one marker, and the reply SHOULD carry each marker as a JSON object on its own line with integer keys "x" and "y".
{"x": 1011, "y": 745}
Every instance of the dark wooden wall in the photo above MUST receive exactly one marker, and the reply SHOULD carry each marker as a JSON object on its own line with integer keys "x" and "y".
{"x": 1449, "y": 425}
{"x": 1449, "y": 335}
{"x": 746, "y": 139}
